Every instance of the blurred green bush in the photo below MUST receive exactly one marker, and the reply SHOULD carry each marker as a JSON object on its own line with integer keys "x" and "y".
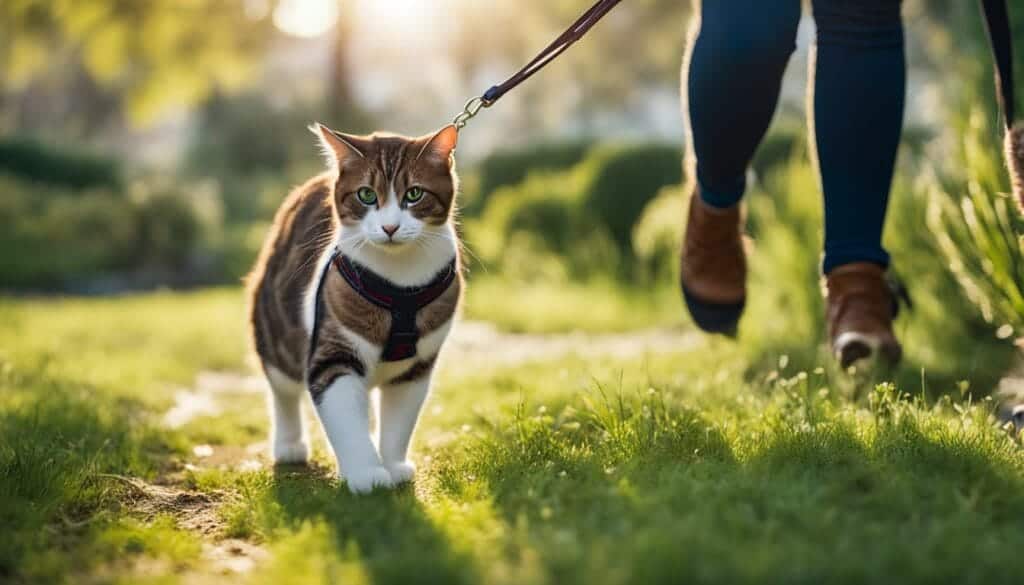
{"x": 583, "y": 216}
{"x": 32, "y": 160}
{"x": 623, "y": 180}
{"x": 102, "y": 239}
{"x": 506, "y": 168}
{"x": 658, "y": 236}
{"x": 255, "y": 150}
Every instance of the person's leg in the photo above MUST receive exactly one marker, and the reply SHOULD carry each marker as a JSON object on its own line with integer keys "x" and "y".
{"x": 859, "y": 87}
{"x": 733, "y": 75}
{"x": 736, "y": 63}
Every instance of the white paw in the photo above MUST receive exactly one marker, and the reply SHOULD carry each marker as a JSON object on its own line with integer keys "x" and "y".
{"x": 402, "y": 471}
{"x": 286, "y": 453}
{"x": 363, "y": 481}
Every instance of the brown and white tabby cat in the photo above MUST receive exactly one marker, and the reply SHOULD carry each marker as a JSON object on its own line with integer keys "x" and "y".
{"x": 356, "y": 288}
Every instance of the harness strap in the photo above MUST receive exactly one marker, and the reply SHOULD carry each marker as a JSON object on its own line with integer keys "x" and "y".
{"x": 997, "y": 24}
{"x": 403, "y": 303}
{"x": 314, "y": 336}
{"x": 557, "y": 47}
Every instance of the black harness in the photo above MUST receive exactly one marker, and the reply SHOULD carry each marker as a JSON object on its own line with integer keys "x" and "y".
{"x": 404, "y": 303}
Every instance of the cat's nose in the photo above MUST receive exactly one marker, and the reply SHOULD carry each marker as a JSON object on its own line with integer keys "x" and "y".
{"x": 389, "y": 229}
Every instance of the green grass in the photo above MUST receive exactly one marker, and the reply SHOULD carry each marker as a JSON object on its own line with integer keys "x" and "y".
{"x": 722, "y": 463}
{"x": 561, "y": 306}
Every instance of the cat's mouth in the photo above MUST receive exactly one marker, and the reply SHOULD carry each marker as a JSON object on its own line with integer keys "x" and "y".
{"x": 389, "y": 244}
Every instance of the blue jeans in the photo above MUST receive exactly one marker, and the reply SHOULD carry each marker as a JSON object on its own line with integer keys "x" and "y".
{"x": 735, "y": 73}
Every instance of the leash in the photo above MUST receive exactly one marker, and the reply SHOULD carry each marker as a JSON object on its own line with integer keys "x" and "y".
{"x": 572, "y": 34}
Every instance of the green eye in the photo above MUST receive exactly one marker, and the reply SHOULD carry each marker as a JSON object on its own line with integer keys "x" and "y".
{"x": 414, "y": 194}
{"x": 366, "y": 196}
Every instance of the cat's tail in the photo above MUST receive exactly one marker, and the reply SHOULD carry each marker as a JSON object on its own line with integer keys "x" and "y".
{"x": 997, "y": 22}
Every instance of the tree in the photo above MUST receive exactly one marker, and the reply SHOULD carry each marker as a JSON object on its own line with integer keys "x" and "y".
{"x": 63, "y": 61}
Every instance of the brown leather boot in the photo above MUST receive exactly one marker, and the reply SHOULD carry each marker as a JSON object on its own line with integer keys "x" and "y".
{"x": 714, "y": 266}
{"x": 861, "y": 308}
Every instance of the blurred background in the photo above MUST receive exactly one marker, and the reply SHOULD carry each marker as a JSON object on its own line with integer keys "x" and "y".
{"x": 147, "y": 143}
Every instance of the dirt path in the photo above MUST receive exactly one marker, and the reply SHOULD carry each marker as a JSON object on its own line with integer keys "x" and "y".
{"x": 472, "y": 342}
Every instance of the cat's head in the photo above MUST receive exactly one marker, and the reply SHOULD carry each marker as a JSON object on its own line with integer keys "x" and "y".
{"x": 391, "y": 191}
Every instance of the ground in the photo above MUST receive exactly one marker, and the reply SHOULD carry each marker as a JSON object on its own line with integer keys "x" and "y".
{"x": 133, "y": 429}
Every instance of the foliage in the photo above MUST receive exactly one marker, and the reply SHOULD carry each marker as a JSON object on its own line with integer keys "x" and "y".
{"x": 977, "y": 228}
{"x": 981, "y": 233}
{"x": 658, "y": 234}
{"x": 150, "y": 55}
{"x": 33, "y": 160}
{"x": 255, "y": 151}
{"x": 505, "y": 168}
{"x": 55, "y": 237}
{"x": 583, "y": 215}
{"x": 624, "y": 179}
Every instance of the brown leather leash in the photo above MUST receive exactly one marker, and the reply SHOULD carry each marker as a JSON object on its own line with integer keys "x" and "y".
{"x": 572, "y": 34}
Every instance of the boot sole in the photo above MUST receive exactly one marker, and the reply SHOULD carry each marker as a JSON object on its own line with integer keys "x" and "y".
{"x": 719, "y": 318}
{"x": 851, "y": 348}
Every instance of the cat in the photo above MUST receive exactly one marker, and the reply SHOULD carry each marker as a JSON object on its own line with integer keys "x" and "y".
{"x": 357, "y": 287}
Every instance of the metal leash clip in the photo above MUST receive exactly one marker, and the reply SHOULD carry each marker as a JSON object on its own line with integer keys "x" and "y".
{"x": 471, "y": 109}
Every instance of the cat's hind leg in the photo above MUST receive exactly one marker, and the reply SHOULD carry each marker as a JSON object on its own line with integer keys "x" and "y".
{"x": 400, "y": 405}
{"x": 287, "y": 438}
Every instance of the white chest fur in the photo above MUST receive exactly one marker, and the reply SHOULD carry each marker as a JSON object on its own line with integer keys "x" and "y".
{"x": 406, "y": 268}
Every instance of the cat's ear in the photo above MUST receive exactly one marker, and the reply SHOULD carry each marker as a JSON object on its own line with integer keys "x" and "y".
{"x": 440, "y": 144}
{"x": 338, "y": 147}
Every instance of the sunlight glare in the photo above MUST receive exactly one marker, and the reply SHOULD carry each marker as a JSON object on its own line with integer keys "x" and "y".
{"x": 401, "y": 17}
{"x": 306, "y": 18}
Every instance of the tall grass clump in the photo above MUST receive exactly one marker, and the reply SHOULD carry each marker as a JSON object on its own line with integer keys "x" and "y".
{"x": 980, "y": 232}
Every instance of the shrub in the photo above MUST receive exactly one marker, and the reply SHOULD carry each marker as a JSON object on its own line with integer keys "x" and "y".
{"x": 256, "y": 150}
{"x": 658, "y": 235}
{"x": 585, "y": 214}
{"x": 510, "y": 167}
{"x": 624, "y": 179}
{"x": 543, "y": 205}
{"x": 32, "y": 160}
{"x": 54, "y": 237}
{"x": 543, "y": 216}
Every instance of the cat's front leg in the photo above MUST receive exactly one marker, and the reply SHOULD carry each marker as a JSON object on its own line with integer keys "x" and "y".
{"x": 343, "y": 408}
{"x": 400, "y": 404}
